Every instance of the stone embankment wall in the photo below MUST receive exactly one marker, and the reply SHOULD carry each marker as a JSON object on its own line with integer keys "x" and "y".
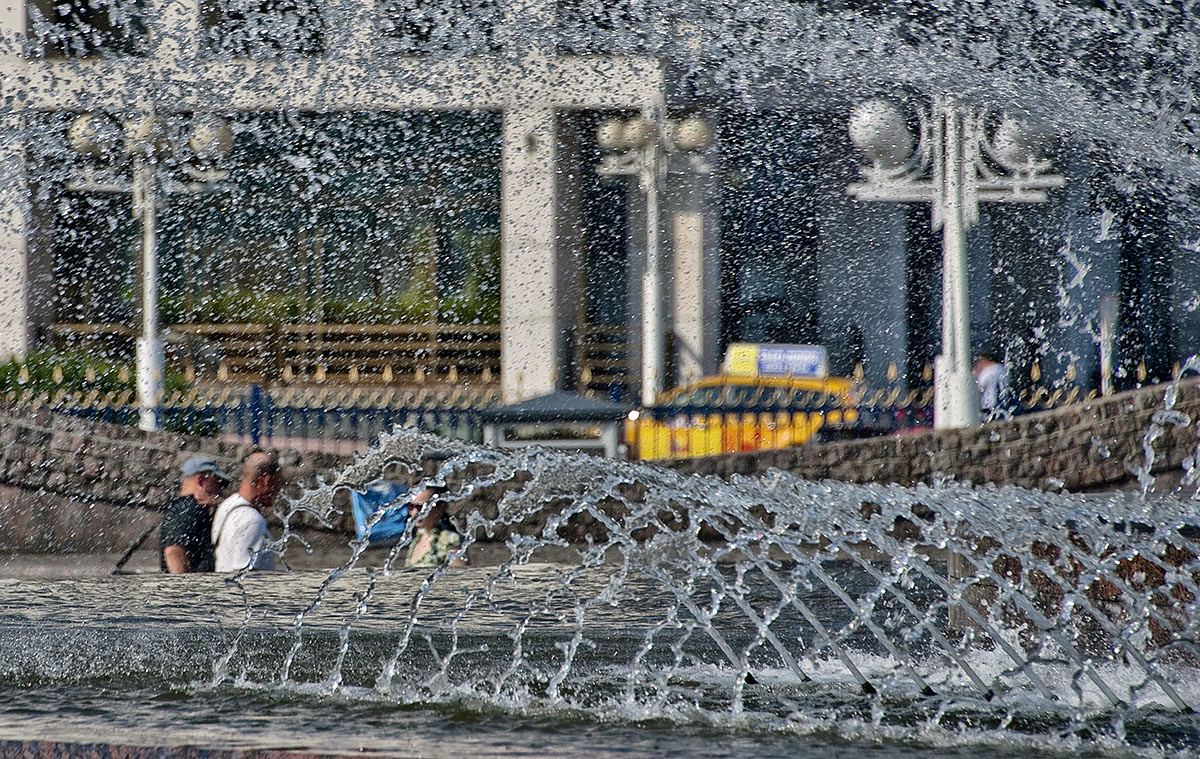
{"x": 73, "y": 484}
{"x": 1088, "y": 446}
{"x": 68, "y": 484}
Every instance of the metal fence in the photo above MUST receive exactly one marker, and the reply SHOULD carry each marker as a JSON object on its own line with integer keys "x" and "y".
{"x": 343, "y": 418}
{"x": 338, "y": 420}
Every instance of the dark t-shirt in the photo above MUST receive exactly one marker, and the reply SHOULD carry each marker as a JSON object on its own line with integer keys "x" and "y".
{"x": 188, "y": 524}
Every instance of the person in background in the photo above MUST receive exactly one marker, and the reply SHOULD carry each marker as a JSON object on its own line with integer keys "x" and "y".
{"x": 992, "y": 377}
{"x": 239, "y": 530}
{"x": 186, "y": 542}
{"x": 434, "y": 538}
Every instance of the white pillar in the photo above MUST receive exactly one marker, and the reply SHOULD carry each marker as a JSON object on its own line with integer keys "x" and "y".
{"x": 529, "y": 312}
{"x": 654, "y": 311}
{"x": 956, "y": 395}
{"x": 15, "y": 286}
{"x": 15, "y": 289}
{"x": 689, "y": 296}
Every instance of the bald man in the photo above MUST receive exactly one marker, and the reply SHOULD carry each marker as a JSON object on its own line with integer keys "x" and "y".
{"x": 239, "y": 531}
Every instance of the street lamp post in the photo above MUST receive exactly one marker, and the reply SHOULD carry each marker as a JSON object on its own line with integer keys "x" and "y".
{"x": 147, "y": 145}
{"x": 953, "y": 167}
{"x": 642, "y": 148}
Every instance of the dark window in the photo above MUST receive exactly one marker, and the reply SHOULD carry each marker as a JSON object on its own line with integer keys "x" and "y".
{"x": 262, "y": 28}
{"x": 86, "y": 28}
{"x": 421, "y": 27}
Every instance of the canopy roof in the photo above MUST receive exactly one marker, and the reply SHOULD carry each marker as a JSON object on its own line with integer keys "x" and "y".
{"x": 558, "y": 406}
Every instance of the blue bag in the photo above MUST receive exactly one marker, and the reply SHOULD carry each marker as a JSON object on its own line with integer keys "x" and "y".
{"x": 381, "y": 494}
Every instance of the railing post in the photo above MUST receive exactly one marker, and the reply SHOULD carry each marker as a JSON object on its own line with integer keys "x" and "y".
{"x": 256, "y": 414}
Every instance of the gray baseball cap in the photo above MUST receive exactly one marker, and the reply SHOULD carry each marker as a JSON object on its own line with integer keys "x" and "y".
{"x": 201, "y": 464}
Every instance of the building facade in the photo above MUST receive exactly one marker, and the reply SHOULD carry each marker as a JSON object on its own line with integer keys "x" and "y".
{"x": 394, "y": 165}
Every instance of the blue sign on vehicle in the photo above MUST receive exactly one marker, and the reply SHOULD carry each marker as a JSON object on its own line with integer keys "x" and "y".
{"x": 792, "y": 361}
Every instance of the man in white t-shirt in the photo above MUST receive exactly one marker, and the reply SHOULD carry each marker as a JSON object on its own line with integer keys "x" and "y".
{"x": 239, "y": 531}
{"x": 992, "y": 377}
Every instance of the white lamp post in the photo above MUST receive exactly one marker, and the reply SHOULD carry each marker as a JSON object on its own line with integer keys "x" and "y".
{"x": 146, "y": 144}
{"x": 954, "y": 166}
{"x": 641, "y": 148}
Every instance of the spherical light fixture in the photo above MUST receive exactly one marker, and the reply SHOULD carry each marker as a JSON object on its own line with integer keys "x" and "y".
{"x": 877, "y": 128}
{"x": 610, "y": 135}
{"x": 211, "y": 137}
{"x": 692, "y": 134}
{"x": 638, "y": 132}
{"x": 1018, "y": 143}
{"x": 145, "y": 135}
{"x": 94, "y": 134}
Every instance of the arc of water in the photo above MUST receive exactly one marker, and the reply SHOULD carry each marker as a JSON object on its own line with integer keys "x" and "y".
{"x": 829, "y": 639}
{"x": 815, "y": 568}
{"x": 937, "y": 579}
{"x": 763, "y": 624}
{"x": 1143, "y": 601}
{"x": 670, "y": 619}
{"x": 384, "y": 683}
{"x": 1053, "y": 631}
{"x": 356, "y": 551}
{"x": 581, "y": 610}
{"x": 502, "y": 472}
{"x": 518, "y": 632}
{"x": 334, "y": 678}
{"x": 593, "y": 558}
{"x": 1097, "y": 616}
{"x": 703, "y": 617}
{"x": 950, "y": 649}
{"x": 1103, "y": 620}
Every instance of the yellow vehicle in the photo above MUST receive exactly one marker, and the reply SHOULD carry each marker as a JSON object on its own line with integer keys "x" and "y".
{"x": 728, "y": 413}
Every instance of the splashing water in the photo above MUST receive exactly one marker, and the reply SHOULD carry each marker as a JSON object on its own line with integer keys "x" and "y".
{"x": 631, "y": 593}
{"x": 772, "y": 599}
{"x": 614, "y": 592}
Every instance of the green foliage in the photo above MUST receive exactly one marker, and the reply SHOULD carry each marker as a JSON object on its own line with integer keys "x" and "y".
{"x": 233, "y": 306}
{"x": 417, "y": 303}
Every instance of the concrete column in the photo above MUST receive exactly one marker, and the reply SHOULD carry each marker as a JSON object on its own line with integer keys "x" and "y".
{"x": 688, "y": 283}
{"x": 15, "y": 291}
{"x": 569, "y": 235}
{"x": 12, "y": 29}
{"x": 350, "y": 29}
{"x": 174, "y": 29}
{"x": 695, "y": 274}
{"x": 530, "y": 353}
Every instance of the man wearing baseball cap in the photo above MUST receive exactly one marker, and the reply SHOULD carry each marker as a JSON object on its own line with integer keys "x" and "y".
{"x": 186, "y": 534}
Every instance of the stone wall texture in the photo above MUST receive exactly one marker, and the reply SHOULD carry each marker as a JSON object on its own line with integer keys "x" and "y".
{"x": 70, "y": 484}
{"x": 1088, "y": 446}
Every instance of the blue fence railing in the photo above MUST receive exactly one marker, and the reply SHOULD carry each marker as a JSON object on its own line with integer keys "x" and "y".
{"x": 310, "y": 419}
